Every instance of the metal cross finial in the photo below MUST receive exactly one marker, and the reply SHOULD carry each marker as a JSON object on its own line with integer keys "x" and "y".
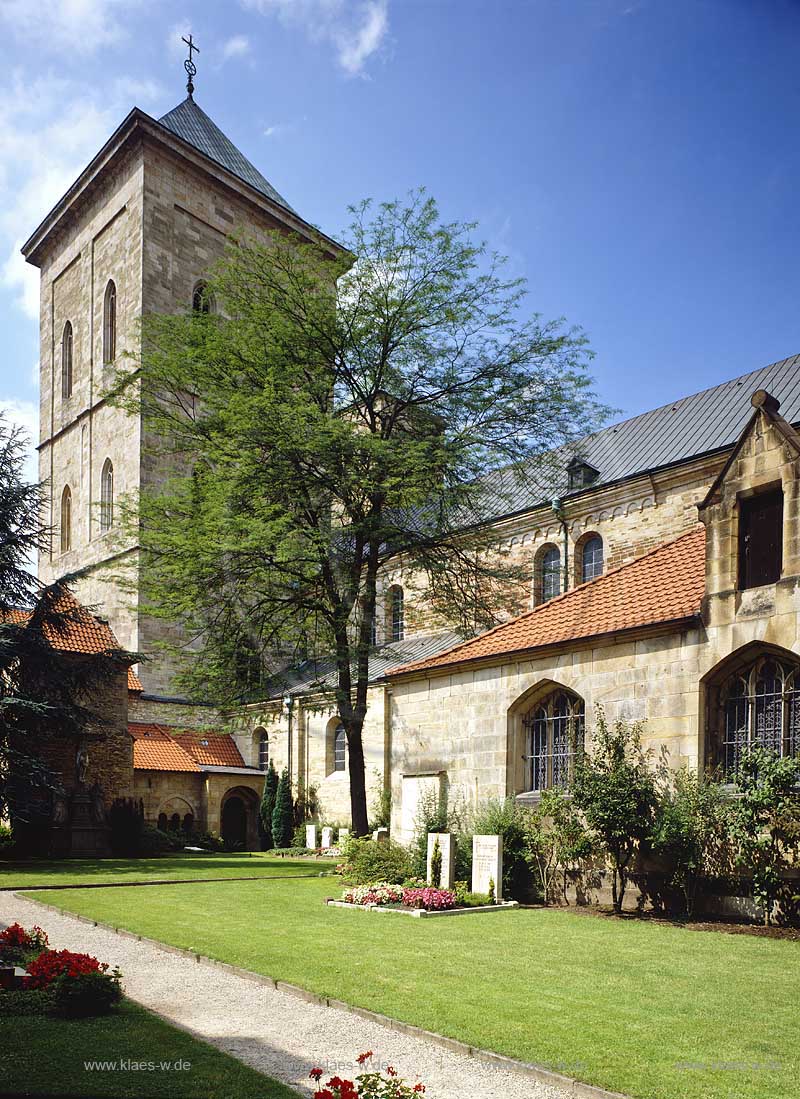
{"x": 189, "y": 65}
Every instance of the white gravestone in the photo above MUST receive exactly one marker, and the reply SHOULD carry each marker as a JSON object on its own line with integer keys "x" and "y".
{"x": 381, "y": 835}
{"x": 311, "y": 836}
{"x": 487, "y": 863}
{"x": 447, "y": 849}
{"x": 344, "y": 835}
{"x": 327, "y": 838}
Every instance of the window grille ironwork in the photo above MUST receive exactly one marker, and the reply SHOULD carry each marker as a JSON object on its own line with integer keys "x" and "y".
{"x": 760, "y": 708}
{"x": 554, "y": 736}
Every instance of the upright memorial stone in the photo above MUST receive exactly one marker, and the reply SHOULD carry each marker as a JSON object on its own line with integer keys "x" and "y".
{"x": 344, "y": 835}
{"x": 327, "y": 838}
{"x": 487, "y": 864}
{"x": 381, "y": 835}
{"x": 311, "y": 836}
{"x": 448, "y": 853}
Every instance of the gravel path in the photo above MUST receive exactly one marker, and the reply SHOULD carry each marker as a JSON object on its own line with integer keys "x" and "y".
{"x": 273, "y": 1031}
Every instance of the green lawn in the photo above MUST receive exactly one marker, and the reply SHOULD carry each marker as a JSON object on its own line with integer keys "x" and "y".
{"x": 651, "y": 1010}
{"x": 182, "y": 867}
{"x": 48, "y": 1056}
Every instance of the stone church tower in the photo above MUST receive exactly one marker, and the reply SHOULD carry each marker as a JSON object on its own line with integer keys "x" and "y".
{"x": 134, "y": 234}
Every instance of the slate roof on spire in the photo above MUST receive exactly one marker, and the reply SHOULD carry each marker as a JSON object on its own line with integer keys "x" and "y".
{"x": 190, "y": 123}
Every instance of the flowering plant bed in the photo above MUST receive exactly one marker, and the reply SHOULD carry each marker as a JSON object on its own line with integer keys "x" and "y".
{"x": 415, "y": 900}
{"x": 56, "y": 981}
{"x": 16, "y": 943}
{"x": 367, "y": 1085}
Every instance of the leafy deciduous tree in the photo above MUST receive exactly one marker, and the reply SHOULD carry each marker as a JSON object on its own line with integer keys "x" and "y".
{"x": 345, "y": 408}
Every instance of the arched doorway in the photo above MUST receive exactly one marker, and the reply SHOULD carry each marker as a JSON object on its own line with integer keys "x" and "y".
{"x": 234, "y": 823}
{"x": 239, "y": 818}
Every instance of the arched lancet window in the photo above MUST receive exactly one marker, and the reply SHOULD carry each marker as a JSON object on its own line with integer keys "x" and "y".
{"x": 554, "y": 730}
{"x": 188, "y": 822}
{"x": 175, "y": 822}
{"x": 397, "y": 608}
{"x": 110, "y": 323}
{"x": 202, "y": 299}
{"x": 107, "y": 495}
{"x": 339, "y": 748}
{"x": 66, "y": 360}
{"x": 263, "y": 750}
{"x": 759, "y": 707}
{"x": 162, "y": 822}
{"x": 66, "y": 519}
{"x": 548, "y": 580}
{"x": 591, "y": 558}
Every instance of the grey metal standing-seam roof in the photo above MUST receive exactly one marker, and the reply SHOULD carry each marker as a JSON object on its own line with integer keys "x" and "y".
{"x": 320, "y": 675}
{"x": 190, "y": 123}
{"x": 687, "y": 428}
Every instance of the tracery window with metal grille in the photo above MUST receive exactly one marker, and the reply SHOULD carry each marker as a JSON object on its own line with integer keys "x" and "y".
{"x": 760, "y": 708}
{"x": 554, "y": 732}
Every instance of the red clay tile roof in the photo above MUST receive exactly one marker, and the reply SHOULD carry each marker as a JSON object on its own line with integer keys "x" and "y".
{"x": 134, "y": 683}
{"x": 83, "y": 633}
{"x": 666, "y": 584}
{"x": 159, "y": 748}
{"x": 155, "y": 750}
{"x": 215, "y": 749}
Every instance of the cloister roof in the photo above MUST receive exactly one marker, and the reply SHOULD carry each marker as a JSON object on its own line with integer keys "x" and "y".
{"x": 159, "y": 748}
{"x": 665, "y": 585}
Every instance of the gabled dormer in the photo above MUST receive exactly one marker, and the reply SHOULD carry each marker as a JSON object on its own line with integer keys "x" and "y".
{"x": 752, "y": 518}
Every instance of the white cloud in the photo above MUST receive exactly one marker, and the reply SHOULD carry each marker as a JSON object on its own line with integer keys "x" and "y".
{"x": 81, "y": 26}
{"x": 277, "y": 129}
{"x": 175, "y": 36}
{"x": 50, "y": 127}
{"x": 24, "y": 414}
{"x": 355, "y": 28}
{"x": 237, "y": 46}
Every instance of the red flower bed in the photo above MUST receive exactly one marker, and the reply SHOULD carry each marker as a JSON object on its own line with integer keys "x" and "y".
{"x": 55, "y": 963}
{"x": 15, "y": 941}
{"x": 368, "y": 1085}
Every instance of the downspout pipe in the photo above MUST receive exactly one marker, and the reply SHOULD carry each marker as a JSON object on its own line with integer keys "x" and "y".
{"x": 558, "y": 510}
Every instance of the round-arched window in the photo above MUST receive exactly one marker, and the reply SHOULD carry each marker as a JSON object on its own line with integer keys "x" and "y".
{"x": 549, "y": 579}
{"x": 591, "y": 558}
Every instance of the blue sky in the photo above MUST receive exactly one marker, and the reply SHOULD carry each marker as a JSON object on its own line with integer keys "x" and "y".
{"x": 635, "y": 159}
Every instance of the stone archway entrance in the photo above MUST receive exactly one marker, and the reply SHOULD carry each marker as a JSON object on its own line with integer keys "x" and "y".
{"x": 239, "y": 819}
{"x": 234, "y": 823}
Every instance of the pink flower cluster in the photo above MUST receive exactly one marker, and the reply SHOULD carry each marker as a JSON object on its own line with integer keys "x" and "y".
{"x": 429, "y": 898}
